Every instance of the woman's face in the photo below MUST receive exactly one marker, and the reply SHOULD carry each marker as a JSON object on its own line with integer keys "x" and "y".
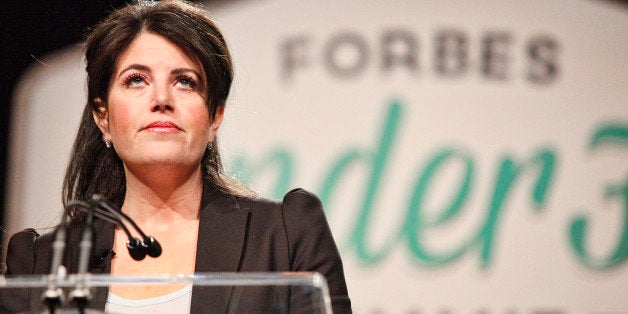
{"x": 156, "y": 112}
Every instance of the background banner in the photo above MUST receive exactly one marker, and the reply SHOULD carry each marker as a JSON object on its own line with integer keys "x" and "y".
{"x": 471, "y": 156}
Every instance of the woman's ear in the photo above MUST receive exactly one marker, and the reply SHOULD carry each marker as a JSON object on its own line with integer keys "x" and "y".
{"x": 101, "y": 117}
{"x": 215, "y": 124}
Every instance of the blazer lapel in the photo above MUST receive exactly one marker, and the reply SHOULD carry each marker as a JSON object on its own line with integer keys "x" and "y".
{"x": 101, "y": 258}
{"x": 221, "y": 238}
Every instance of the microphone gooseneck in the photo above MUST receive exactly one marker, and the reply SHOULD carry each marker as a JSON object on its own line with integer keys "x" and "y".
{"x": 137, "y": 249}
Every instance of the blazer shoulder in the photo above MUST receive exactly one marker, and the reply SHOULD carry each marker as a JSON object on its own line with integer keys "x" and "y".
{"x": 23, "y": 252}
{"x": 20, "y": 252}
{"x": 304, "y": 216}
{"x": 298, "y": 206}
{"x": 300, "y": 201}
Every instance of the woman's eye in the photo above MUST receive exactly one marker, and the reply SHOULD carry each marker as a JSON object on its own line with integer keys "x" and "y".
{"x": 186, "y": 82}
{"x": 135, "y": 81}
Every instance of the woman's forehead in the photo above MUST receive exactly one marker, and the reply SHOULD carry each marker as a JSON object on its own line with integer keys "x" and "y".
{"x": 153, "y": 50}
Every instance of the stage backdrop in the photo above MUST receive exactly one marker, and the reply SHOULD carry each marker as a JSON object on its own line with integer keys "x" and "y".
{"x": 471, "y": 155}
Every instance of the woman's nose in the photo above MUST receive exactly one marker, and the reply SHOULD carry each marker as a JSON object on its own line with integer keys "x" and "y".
{"x": 163, "y": 100}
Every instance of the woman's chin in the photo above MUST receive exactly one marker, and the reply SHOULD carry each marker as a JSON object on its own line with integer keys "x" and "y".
{"x": 165, "y": 161}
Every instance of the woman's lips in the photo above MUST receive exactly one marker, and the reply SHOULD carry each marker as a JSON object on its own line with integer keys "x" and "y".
{"x": 162, "y": 127}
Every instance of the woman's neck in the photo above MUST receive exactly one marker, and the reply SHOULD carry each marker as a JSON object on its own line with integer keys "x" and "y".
{"x": 158, "y": 198}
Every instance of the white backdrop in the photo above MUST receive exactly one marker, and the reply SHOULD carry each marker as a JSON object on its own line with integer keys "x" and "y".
{"x": 471, "y": 155}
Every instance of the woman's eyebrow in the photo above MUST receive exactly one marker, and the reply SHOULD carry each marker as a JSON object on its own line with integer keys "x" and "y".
{"x": 135, "y": 66}
{"x": 145, "y": 68}
{"x": 184, "y": 70}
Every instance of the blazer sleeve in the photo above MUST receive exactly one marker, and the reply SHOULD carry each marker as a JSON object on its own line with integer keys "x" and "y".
{"x": 311, "y": 245}
{"x": 20, "y": 260}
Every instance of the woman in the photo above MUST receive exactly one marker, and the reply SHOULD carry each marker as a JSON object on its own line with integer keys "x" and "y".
{"x": 158, "y": 78}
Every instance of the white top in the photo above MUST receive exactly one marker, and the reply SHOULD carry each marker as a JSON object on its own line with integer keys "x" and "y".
{"x": 176, "y": 302}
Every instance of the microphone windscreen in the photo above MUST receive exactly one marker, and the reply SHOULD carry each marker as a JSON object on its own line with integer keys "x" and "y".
{"x": 136, "y": 249}
{"x": 153, "y": 248}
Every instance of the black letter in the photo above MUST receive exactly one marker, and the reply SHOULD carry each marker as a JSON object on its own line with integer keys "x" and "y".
{"x": 451, "y": 53}
{"x": 543, "y": 65}
{"x": 292, "y": 55}
{"x": 495, "y": 55}
{"x": 358, "y": 59}
{"x": 399, "y": 48}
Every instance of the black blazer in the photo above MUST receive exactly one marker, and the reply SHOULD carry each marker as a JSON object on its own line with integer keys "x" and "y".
{"x": 236, "y": 234}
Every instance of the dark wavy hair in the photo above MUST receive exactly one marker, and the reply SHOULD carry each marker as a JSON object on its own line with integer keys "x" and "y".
{"x": 94, "y": 168}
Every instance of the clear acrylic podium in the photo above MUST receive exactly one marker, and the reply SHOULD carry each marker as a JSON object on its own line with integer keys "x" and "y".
{"x": 280, "y": 292}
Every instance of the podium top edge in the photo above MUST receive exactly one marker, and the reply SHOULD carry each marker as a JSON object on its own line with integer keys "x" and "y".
{"x": 312, "y": 279}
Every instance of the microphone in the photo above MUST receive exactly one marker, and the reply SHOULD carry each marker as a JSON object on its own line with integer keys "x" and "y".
{"x": 80, "y": 295}
{"x": 137, "y": 249}
{"x": 52, "y": 297}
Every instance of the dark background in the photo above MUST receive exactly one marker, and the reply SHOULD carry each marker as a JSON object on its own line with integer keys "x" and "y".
{"x": 32, "y": 28}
